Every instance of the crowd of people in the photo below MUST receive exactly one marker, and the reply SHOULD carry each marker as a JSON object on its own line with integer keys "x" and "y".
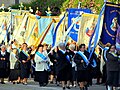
{"x": 67, "y": 65}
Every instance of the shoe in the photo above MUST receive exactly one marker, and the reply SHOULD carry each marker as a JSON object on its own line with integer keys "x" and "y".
{"x": 18, "y": 82}
{"x": 68, "y": 87}
{"x": 13, "y": 82}
{"x": 74, "y": 85}
{"x": 63, "y": 88}
{"x": 2, "y": 82}
{"x": 24, "y": 83}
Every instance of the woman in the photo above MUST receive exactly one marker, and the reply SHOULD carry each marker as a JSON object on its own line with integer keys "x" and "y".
{"x": 112, "y": 67}
{"x": 14, "y": 67}
{"x": 4, "y": 64}
{"x": 25, "y": 64}
{"x": 41, "y": 69}
{"x": 81, "y": 59}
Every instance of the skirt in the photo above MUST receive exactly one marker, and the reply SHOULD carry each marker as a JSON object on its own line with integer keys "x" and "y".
{"x": 41, "y": 77}
{"x": 82, "y": 75}
{"x": 14, "y": 74}
{"x": 4, "y": 73}
{"x": 25, "y": 72}
{"x": 112, "y": 78}
{"x": 65, "y": 74}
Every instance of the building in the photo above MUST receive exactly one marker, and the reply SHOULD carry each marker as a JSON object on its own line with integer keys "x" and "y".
{"x": 11, "y": 2}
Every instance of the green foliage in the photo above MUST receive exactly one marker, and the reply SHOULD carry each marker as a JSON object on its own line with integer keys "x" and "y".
{"x": 57, "y": 6}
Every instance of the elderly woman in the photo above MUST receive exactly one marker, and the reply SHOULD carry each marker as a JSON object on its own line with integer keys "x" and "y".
{"x": 74, "y": 68}
{"x": 63, "y": 66}
{"x": 4, "y": 63}
{"x": 112, "y": 67}
{"x": 41, "y": 69}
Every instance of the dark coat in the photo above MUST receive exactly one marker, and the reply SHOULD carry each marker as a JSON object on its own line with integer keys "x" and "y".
{"x": 25, "y": 67}
{"x": 62, "y": 61}
{"x": 78, "y": 58}
{"x": 112, "y": 63}
{"x": 4, "y": 65}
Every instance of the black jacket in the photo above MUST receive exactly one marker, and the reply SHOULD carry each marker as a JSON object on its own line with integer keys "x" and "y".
{"x": 112, "y": 63}
{"x": 5, "y": 63}
{"x": 62, "y": 61}
{"x": 78, "y": 58}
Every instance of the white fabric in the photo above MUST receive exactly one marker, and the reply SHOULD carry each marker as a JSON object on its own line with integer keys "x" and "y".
{"x": 3, "y": 53}
{"x": 13, "y": 60}
{"x": 41, "y": 64}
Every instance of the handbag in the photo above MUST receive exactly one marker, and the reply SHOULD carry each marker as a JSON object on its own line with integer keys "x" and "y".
{"x": 17, "y": 65}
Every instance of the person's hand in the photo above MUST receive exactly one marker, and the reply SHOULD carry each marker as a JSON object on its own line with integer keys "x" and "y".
{"x": 82, "y": 61}
{"x": 28, "y": 58}
{"x": 23, "y": 61}
{"x": 3, "y": 58}
{"x": 55, "y": 60}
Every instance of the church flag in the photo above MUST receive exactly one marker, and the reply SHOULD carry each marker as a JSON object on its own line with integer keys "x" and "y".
{"x": 110, "y": 24}
{"x": 88, "y": 23}
{"x": 72, "y": 14}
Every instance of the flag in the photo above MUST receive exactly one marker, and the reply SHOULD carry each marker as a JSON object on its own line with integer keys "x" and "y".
{"x": 43, "y": 24}
{"x": 57, "y": 29}
{"x": 32, "y": 25}
{"x": 72, "y": 14}
{"x": 110, "y": 24}
{"x": 118, "y": 39}
{"x": 20, "y": 33}
{"x": 88, "y": 23}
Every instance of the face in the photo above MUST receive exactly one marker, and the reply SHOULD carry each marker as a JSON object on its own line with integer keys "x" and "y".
{"x": 112, "y": 49}
{"x": 40, "y": 49}
{"x": 15, "y": 51}
{"x": 82, "y": 48}
{"x": 24, "y": 46}
{"x": 3, "y": 49}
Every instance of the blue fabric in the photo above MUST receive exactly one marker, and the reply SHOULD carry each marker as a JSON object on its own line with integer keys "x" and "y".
{"x": 7, "y": 31}
{"x": 73, "y": 13}
{"x": 94, "y": 64}
{"x": 55, "y": 32}
{"x": 25, "y": 53}
{"x": 108, "y": 32}
{"x": 95, "y": 34}
{"x": 41, "y": 55}
{"x": 84, "y": 57}
{"x": 42, "y": 25}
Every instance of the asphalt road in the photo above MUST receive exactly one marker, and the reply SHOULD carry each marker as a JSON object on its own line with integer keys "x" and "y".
{"x": 35, "y": 86}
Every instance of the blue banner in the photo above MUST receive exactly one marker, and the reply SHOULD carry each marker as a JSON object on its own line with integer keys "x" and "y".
{"x": 43, "y": 24}
{"x": 72, "y": 14}
{"x": 110, "y": 24}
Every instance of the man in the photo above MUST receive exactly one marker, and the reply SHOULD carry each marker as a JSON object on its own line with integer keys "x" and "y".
{"x": 4, "y": 64}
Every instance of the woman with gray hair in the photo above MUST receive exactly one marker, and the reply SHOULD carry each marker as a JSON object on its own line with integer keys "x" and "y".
{"x": 4, "y": 64}
{"x": 63, "y": 66}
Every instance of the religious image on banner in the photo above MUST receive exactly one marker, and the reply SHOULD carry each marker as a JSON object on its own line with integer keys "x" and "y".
{"x": 4, "y": 25}
{"x": 118, "y": 39}
{"x": 72, "y": 14}
{"x": 88, "y": 23}
{"x": 111, "y": 24}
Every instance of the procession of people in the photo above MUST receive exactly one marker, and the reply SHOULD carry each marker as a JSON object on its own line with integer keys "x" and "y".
{"x": 68, "y": 65}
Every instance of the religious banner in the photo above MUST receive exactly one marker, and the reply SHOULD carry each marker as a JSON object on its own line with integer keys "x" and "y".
{"x": 43, "y": 23}
{"x": 5, "y": 21}
{"x": 87, "y": 26}
{"x": 110, "y": 24}
{"x": 72, "y": 14}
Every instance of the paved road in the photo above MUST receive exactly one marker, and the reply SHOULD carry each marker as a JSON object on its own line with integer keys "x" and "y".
{"x": 35, "y": 86}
